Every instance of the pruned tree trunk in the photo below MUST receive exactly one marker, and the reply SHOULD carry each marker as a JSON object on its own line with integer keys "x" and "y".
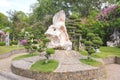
{"x": 47, "y": 58}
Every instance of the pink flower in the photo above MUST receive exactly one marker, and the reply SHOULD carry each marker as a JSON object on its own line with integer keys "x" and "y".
{"x": 24, "y": 41}
{"x": 105, "y": 12}
{"x": 2, "y": 33}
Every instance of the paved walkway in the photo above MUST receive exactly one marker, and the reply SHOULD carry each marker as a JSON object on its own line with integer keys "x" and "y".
{"x": 66, "y": 60}
{"x": 69, "y": 61}
{"x": 5, "y": 71}
{"x": 113, "y": 72}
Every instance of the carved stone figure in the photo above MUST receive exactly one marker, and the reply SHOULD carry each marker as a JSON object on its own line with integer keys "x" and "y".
{"x": 7, "y": 40}
{"x": 57, "y": 33}
{"x": 115, "y": 39}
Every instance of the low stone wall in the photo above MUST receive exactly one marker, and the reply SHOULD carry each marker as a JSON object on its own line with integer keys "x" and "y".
{"x": 78, "y": 75}
{"x": 117, "y": 60}
{"x": 111, "y": 60}
{"x": 12, "y": 53}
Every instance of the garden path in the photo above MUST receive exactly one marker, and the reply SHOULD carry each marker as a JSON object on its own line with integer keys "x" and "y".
{"x": 5, "y": 71}
{"x": 113, "y": 72}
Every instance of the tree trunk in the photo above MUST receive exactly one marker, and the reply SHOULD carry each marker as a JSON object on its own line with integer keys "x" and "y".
{"x": 47, "y": 58}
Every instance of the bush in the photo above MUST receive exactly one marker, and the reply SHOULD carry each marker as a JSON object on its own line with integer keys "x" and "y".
{"x": 90, "y": 50}
{"x": 50, "y": 51}
{"x": 35, "y": 42}
{"x": 88, "y": 43}
{"x": 39, "y": 50}
{"x": 27, "y": 47}
{"x": 90, "y": 35}
{"x": 46, "y": 40}
{"x": 13, "y": 43}
{"x": 34, "y": 47}
{"x": 2, "y": 43}
{"x": 82, "y": 41}
{"x": 118, "y": 45}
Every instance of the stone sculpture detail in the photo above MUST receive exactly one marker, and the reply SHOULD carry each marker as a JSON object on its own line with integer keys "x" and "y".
{"x": 57, "y": 33}
{"x": 114, "y": 39}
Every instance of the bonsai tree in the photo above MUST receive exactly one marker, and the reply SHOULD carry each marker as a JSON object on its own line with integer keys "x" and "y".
{"x": 96, "y": 41}
{"x": 49, "y": 51}
{"x": 89, "y": 48}
{"x": 92, "y": 43}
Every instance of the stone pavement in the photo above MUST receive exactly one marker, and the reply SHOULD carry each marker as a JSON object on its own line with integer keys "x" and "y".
{"x": 5, "y": 71}
{"x": 113, "y": 72}
{"x": 69, "y": 61}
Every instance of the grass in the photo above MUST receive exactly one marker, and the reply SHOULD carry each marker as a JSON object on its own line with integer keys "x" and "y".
{"x": 41, "y": 66}
{"x": 104, "y": 52}
{"x": 25, "y": 56}
{"x": 5, "y": 49}
{"x": 107, "y": 51}
{"x": 91, "y": 62}
{"x": 83, "y": 52}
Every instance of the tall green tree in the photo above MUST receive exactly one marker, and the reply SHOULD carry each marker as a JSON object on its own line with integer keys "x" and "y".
{"x": 3, "y": 21}
{"x": 19, "y": 21}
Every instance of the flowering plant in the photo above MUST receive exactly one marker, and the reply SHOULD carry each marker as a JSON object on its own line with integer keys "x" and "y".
{"x": 24, "y": 41}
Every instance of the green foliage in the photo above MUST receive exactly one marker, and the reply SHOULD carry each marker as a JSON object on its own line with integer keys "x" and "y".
{"x": 88, "y": 43}
{"x": 45, "y": 40}
{"x": 34, "y": 47}
{"x": 118, "y": 46}
{"x": 74, "y": 30}
{"x": 2, "y": 43}
{"x": 90, "y": 50}
{"x": 83, "y": 52}
{"x": 25, "y": 56}
{"x": 41, "y": 66}
{"x": 107, "y": 51}
{"x": 13, "y": 43}
{"x": 90, "y": 36}
{"x": 82, "y": 41}
{"x": 50, "y": 51}
{"x": 3, "y": 21}
{"x": 74, "y": 16}
{"x": 27, "y": 47}
{"x": 6, "y": 49}
{"x": 35, "y": 42}
{"x": 91, "y": 62}
{"x": 40, "y": 50}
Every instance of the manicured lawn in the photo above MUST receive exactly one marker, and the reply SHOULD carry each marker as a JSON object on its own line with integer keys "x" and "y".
{"x": 105, "y": 51}
{"x": 25, "y": 56}
{"x": 41, "y": 66}
{"x": 91, "y": 62}
{"x": 83, "y": 52}
{"x": 5, "y": 49}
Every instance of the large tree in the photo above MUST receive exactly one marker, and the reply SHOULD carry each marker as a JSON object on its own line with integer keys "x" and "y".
{"x": 82, "y": 7}
{"x": 19, "y": 21}
{"x": 3, "y": 21}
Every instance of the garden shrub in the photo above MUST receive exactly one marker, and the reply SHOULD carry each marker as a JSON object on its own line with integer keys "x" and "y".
{"x": 34, "y": 47}
{"x": 13, "y": 43}
{"x": 35, "y": 42}
{"x": 50, "y": 51}
{"x": 2, "y": 43}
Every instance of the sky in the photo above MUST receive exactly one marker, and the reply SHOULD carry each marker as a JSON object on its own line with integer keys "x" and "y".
{"x": 18, "y": 5}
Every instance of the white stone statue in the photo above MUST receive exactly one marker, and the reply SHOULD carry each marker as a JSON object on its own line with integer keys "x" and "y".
{"x": 7, "y": 40}
{"x": 57, "y": 33}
